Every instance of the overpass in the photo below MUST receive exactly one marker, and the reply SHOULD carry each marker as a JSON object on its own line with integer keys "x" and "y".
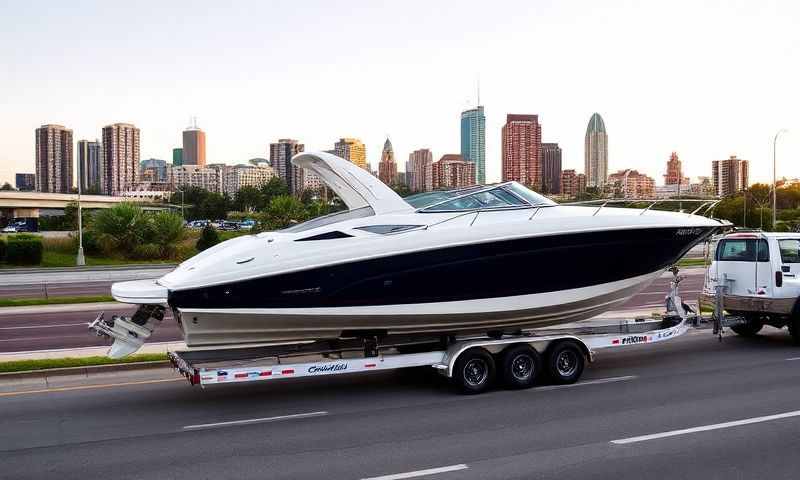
{"x": 28, "y": 204}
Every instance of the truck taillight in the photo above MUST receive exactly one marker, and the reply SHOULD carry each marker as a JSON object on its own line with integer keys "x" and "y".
{"x": 778, "y": 279}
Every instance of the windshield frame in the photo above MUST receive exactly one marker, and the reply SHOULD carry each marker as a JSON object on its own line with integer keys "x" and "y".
{"x": 469, "y": 191}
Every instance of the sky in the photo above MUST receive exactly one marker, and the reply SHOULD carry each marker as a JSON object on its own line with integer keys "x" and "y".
{"x": 706, "y": 79}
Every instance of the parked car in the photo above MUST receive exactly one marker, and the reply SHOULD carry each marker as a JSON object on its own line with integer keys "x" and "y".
{"x": 761, "y": 273}
{"x": 225, "y": 225}
{"x": 247, "y": 224}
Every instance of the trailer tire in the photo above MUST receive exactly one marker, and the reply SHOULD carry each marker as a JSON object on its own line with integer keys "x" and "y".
{"x": 751, "y": 328}
{"x": 520, "y": 366}
{"x": 474, "y": 371}
{"x": 565, "y": 362}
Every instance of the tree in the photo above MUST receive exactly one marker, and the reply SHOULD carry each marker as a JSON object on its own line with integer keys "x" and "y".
{"x": 7, "y": 186}
{"x": 71, "y": 215}
{"x": 208, "y": 238}
{"x": 283, "y": 211}
{"x": 401, "y": 190}
{"x": 249, "y": 199}
{"x": 274, "y": 188}
{"x": 125, "y": 229}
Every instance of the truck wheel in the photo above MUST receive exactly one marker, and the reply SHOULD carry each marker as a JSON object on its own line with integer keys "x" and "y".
{"x": 565, "y": 362}
{"x": 751, "y": 328}
{"x": 520, "y": 366}
{"x": 474, "y": 371}
{"x": 794, "y": 330}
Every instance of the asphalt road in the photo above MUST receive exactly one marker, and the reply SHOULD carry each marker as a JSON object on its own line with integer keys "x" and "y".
{"x": 21, "y": 332}
{"x": 411, "y": 422}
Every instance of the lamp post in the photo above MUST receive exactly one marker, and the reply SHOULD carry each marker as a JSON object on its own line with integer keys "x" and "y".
{"x": 81, "y": 260}
{"x": 775, "y": 178}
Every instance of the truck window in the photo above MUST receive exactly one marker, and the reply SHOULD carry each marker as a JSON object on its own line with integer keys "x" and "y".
{"x": 742, "y": 250}
{"x": 790, "y": 250}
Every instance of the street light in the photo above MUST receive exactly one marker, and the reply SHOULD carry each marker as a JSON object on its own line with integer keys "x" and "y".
{"x": 81, "y": 260}
{"x": 775, "y": 178}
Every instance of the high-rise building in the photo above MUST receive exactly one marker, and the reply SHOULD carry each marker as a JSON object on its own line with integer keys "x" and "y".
{"x": 596, "y": 152}
{"x": 551, "y": 168}
{"x": 730, "y": 176}
{"x": 418, "y": 170}
{"x": 155, "y": 165}
{"x": 630, "y": 183}
{"x": 210, "y": 177}
{"x": 177, "y": 157}
{"x": 280, "y": 156}
{"x": 119, "y": 158}
{"x": 674, "y": 175}
{"x": 236, "y": 177}
{"x": 89, "y": 165}
{"x": 53, "y": 159}
{"x": 194, "y": 146}
{"x": 522, "y": 150}
{"x": 473, "y": 140}
{"x": 352, "y": 150}
{"x": 25, "y": 182}
{"x": 572, "y": 184}
{"x": 387, "y": 167}
{"x": 452, "y": 171}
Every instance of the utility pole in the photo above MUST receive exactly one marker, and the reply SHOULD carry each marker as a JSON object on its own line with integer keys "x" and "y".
{"x": 81, "y": 260}
{"x": 775, "y": 179}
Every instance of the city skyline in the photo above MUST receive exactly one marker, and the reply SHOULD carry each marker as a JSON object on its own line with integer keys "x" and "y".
{"x": 703, "y": 116}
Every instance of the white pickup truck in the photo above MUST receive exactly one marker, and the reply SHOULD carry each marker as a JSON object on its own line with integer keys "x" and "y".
{"x": 761, "y": 273}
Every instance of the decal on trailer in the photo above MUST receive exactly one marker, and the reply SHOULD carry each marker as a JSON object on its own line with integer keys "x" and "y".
{"x": 333, "y": 367}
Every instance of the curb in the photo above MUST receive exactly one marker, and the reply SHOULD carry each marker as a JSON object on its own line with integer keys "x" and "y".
{"x": 83, "y": 371}
{"x": 135, "y": 266}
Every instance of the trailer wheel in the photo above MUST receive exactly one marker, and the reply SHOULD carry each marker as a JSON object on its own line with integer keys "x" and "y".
{"x": 751, "y": 328}
{"x": 474, "y": 371}
{"x": 565, "y": 362}
{"x": 520, "y": 366}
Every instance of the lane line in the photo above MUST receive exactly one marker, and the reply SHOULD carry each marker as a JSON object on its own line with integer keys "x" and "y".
{"x": 705, "y": 428}
{"x": 83, "y": 324}
{"x": 90, "y": 387}
{"x": 420, "y": 473}
{"x": 254, "y": 420}
{"x": 792, "y": 359}
{"x": 599, "y": 381}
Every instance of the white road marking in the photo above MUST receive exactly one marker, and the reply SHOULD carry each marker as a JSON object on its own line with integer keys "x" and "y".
{"x": 420, "y": 473}
{"x": 792, "y": 359}
{"x": 254, "y": 420}
{"x": 705, "y": 428}
{"x": 588, "y": 382}
{"x": 82, "y": 324}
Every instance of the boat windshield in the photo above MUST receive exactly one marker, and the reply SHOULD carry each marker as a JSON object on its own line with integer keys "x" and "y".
{"x": 505, "y": 195}
{"x": 425, "y": 199}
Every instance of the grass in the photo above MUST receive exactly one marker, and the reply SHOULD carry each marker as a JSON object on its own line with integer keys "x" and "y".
{"x": 691, "y": 262}
{"x": 49, "y": 363}
{"x": 61, "y": 259}
{"x": 19, "y": 302}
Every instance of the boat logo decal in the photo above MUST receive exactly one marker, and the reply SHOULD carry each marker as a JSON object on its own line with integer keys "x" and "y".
{"x": 635, "y": 339}
{"x": 301, "y": 291}
{"x": 683, "y": 232}
{"x": 334, "y": 367}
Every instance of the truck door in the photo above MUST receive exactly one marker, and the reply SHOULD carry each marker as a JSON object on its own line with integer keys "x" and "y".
{"x": 789, "y": 251}
{"x": 745, "y": 262}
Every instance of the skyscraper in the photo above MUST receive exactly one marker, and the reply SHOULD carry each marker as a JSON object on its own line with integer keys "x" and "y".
{"x": 89, "y": 165}
{"x": 418, "y": 170}
{"x": 387, "y": 168}
{"x": 674, "y": 175}
{"x": 25, "y": 182}
{"x": 572, "y": 183}
{"x": 452, "y": 171}
{"x": 730, "y": 176}
{"x": 473, "y": 140}
{"x": 596, "y": 152}
{"x": 352, "y": 150}
{"x": 632, "y": 184}
{"x": 119, "y": 159}
{"x": 280, "y": 156}
{"x": 158, "y": 168}
{"x": 551, "y": 168}
{"x": 177, "y": 157}
{"x": 194, "y": 146}
{"x": 53, "y": 159}
{"x": 522, "y": 150}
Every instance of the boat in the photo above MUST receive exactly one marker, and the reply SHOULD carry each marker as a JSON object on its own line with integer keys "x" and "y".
{"x": 484, "y": 259}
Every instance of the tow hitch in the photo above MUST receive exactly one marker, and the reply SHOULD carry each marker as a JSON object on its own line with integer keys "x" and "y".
{"x": 129, "y": 334}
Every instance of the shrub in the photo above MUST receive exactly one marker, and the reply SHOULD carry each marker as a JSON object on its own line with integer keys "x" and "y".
{"x": 147, "y": 251}
{"x": 127, "y": 230}
{"x": 2, "y": 249}
{"x": 24, "y": 250}
{"x": 60, "y": 244}
{"x": 207, "y": 239}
